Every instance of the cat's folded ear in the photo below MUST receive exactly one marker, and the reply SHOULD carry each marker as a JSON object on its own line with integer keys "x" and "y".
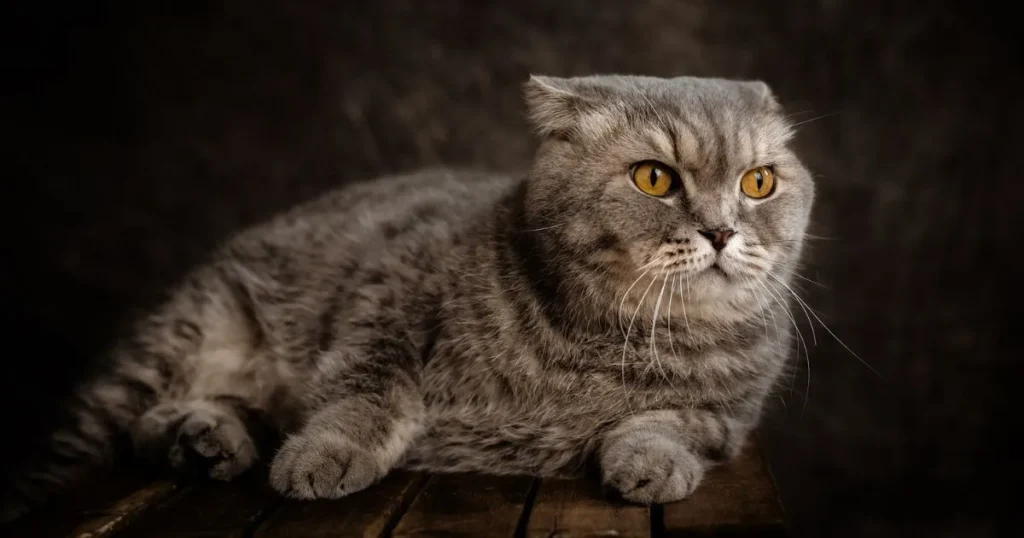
{"x": 762, "y": 94}
{"x": 553, "y": 105}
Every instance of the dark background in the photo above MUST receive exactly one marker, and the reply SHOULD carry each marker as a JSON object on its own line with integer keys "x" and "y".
{"x": 140, "y": 136}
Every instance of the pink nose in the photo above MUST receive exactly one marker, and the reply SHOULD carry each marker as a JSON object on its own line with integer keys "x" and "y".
{"x": 718, "y": 238}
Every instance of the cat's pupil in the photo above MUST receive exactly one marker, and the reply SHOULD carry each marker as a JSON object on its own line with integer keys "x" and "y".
{"x": 760, "y": 180}
{"x": 654, "y": 177}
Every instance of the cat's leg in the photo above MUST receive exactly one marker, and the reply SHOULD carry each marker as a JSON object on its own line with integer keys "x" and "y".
{"x": 661, "y": 456}
{"x": 367, "y": 407}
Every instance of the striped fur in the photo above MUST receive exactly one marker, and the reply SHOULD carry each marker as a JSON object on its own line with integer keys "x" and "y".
{"x": 460, "y": 321}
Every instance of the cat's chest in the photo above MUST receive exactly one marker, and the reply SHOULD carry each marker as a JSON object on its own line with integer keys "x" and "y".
{"x": 654, "y": 373}
{"x": 584, "y": 390}
{"x": 605, "y": 377}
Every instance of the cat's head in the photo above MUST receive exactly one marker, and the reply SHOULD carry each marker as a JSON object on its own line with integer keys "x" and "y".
{"x": 687, "y": 178}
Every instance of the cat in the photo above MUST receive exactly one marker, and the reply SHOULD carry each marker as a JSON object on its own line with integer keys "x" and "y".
{"x": 619, "y": 308}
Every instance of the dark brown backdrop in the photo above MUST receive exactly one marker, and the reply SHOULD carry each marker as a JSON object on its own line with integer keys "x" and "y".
{"x": 142, "y": 135}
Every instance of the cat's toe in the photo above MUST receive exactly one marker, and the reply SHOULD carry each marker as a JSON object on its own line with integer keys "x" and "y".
{"x": 322, "y": 466}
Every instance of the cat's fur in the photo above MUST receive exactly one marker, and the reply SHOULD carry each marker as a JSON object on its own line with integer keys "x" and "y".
{"x": 464, "y": 322}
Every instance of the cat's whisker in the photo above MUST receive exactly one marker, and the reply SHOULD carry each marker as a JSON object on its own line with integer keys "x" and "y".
{"x": 778, "y": 336}
{"x": 626, "y": 295}
{"x": 805, "y": 279}
{"x": 780, "y": 300}
{"x": 771, "y": 312}
{"x": 686, "y": 321}
{"x": 654, "y": 326}
{"x": 650, "y": 263}
{"x": 760, "y": 306}
{"x": 821, "y": 117}
{"x": 625, "y": 345}
{"x": 796, "y": 113}
{"x": 829, "y": 330}
{"x": 799, "y": 302}
{"x": 553, "y": 226}
{"x": 671, "y": 299}
{"x": 790, "y": 240}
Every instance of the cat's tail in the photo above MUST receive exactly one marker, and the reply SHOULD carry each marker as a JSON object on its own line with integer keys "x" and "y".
{"x": 142, "y": 368}
{"x": 95, "y": 418}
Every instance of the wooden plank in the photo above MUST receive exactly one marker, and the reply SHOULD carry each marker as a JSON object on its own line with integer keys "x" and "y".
{"x": 579, "y": 509}
{"x": 105, "y": 504}
{"x": 736, "y": 499}
{"x": 209, "y": 508}
{"x": 453, "y": 505}
{"x": 367, "y": 513}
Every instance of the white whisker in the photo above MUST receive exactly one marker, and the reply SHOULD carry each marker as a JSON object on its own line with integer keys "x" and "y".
{"x": 778, "y": 341}
{"x": 671, "y": 339}
{"x": 780, "y": 300}
{"x": 826, "y": 327}
{"x": 815, "y": 282}
{"x": 544, "y": 228}
{"x": 823, "y": 116}
{"x": 686, "y": 321}
{"x": 626, "y": 296}
{"x": 625, "y": 344}
{"x": 799, "y": 302}
{"x": 760, "y": 305}
{"x": 650, "y": 263}
{"x": 654, "y": 326}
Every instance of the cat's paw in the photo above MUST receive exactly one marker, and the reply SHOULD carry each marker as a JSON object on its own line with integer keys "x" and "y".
{"x": 216, "y": 442}
{"x": 650, "y": 469}
{"x": 322, "y": 465}
{"x": 196, "y": 436}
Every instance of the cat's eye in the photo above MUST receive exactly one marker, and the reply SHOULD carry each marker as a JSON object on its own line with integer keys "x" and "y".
{"x": 654, "y": 178}
{"x": 758, "y": 182}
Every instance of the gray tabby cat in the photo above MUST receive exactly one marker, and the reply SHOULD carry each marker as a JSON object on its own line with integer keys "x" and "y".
{"x": 620, "y": 306}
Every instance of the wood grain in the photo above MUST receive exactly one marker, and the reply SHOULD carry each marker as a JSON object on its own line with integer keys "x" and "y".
{"x": 738, "y": 498}
{"x": 466, "y": 505}
{"x": 208, "y": 509}
{"x": 578, "y": 509}
{"x": 367, "y": 513}
{"x": 103, "y": 505}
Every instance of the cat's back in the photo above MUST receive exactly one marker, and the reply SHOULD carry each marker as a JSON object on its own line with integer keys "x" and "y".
{"x": 390, "y": 232}
{"x": 365, "y": 220}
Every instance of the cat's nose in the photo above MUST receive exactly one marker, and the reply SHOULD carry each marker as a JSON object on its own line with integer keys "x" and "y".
{"x": 718, "y": 238}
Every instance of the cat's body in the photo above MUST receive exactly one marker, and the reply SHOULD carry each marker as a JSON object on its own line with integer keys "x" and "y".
{"x": 464, "y": 322}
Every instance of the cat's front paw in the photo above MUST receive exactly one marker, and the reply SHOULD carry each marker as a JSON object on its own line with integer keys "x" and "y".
{"x": 650, "y": 469}
{"x": 322, "y": 465}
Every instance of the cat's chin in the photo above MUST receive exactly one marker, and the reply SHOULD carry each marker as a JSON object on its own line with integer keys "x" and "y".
{"x": 717, "y": 270}
{"x": 717, "y": 284}
{"x": 712, "y": 283}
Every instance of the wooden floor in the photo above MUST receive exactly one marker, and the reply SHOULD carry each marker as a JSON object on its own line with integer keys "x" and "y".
{"x": 736, "y": 500}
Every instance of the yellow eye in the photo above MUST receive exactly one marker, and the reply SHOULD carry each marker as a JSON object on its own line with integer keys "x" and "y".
{"x": 758, "y": 182}
{"x": 653, "y": 178}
